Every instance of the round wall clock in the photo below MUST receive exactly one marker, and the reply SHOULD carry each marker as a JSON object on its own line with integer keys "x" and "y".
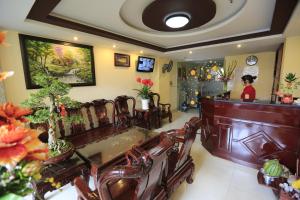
{"x": 251, "y": 60}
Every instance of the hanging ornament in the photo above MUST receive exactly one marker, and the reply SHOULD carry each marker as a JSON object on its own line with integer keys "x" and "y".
{"x": 193, "y": 72}
{"x": 192, "y": 102}
{"x": 215, "y": 68}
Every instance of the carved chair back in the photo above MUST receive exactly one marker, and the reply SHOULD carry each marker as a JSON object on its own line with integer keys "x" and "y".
{"x": 123, "y": 116}
{"x": 88, "y": 106}
{"x": 101, "y": 111}
{"x": 146, "y": 167}
{"x": 76, "y": 127}
{"x": 154, "y": 100}
{"x": 184, "y": 139}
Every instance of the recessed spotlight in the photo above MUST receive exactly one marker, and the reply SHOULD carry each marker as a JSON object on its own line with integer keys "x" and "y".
{"x": 114, "y": 46}
{"x": 239, "y": 46}
{"x": 190, "y": 52}
{"x": 141, "y": 52}
{"x": 177, "y": 20}
{"x": 75, "y": 38}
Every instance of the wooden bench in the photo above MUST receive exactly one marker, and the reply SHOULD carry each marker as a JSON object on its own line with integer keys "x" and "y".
{"x": 98, "y": 123}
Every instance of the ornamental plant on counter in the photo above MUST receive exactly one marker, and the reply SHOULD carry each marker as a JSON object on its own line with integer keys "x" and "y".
{"x": 288, "y": 88}
{"x": 21, "y": 153}
{"x": 55, "y": 92}
{"x": 144, "y": 91}
{"x": 225, "y": 73}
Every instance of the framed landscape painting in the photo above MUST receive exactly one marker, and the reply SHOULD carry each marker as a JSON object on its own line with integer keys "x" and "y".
{"x": 71, "y": 63}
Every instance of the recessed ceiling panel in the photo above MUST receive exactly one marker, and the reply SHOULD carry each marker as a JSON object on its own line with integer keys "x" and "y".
{"x": 124, "y": 17}
{"x": 131, "y": 8}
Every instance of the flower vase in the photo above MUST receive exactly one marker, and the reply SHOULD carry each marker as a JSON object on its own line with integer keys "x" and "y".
{"x": 287, "y": 99}
{"x": 226, "y": 94}
{"x": 145, "y": 104}
{"x": 225, "y": 86}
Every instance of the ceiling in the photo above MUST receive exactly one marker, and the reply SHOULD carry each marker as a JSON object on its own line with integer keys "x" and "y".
{"x": 120, "y": 18}
{"x": 124, "y": 17}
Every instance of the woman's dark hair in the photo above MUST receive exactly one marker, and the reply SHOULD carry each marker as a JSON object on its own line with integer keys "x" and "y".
{"x": 248, "y": 78}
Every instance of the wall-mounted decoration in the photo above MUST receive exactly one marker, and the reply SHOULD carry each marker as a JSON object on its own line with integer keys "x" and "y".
{"x": 167, "y": 67}
{"x": 71, "y": 63}
{"x": 122, "y": 60}
{"x": 251, "y": 60}
{"x": 198, "y": 79}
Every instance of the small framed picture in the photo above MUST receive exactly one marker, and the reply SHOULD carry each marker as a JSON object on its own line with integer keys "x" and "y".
{"x": 122, "y": 60}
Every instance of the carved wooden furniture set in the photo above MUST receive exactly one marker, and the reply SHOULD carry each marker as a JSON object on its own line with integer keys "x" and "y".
{"x": 152, "y": 170}
{"x": 104, "y": 118}
{"x": 101, "y": 119}
{"x": 249, "y": 133}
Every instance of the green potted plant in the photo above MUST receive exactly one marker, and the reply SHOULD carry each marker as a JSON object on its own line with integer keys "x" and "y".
{"x": 144, "y": 91}
{"x": 288, "y": 88}
{"x": 54, "y": 92}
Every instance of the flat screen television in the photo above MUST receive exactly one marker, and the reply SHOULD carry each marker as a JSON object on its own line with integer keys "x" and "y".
{"x": 145, "y": 64}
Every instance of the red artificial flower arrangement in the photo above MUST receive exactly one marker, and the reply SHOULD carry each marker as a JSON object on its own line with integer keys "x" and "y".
{"x": 145, "y": 90}
{"x": 21, "y": 152}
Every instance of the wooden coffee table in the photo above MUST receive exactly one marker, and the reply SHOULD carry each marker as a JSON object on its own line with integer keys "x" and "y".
{"x": 102, "y": 152}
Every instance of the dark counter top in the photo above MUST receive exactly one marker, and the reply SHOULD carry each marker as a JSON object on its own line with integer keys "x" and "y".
{"x": 257, "y": 102}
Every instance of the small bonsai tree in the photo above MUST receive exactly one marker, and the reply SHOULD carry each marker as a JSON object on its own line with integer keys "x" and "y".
{"x": 49, "y": 104}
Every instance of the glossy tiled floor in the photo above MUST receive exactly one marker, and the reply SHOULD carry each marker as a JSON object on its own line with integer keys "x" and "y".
{"x": 214, "y": 178}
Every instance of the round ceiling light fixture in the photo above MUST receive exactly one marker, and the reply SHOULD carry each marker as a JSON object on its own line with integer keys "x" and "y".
{"x": 177, "y": 20}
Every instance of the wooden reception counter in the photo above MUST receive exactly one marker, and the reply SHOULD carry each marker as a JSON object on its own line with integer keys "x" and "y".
{"x": 249, "y": 133}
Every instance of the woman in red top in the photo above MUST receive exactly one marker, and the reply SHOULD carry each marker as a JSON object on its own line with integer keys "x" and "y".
{"x": 249, "y": 91}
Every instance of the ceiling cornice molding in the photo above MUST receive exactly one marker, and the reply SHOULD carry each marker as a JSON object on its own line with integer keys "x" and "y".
{"x": 42, "y": 9}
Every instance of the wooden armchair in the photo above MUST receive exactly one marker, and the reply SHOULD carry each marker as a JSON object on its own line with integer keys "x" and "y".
{"x": 180, "y": 163}
{"x": 139, "y": 179}
{"x": 122, "y": 116}
{"x": 164, "y": 109}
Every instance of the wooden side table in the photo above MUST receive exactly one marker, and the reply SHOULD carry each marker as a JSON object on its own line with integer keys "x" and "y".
{"x": 147, "y": 118}
{"x": 63, "y": 172}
